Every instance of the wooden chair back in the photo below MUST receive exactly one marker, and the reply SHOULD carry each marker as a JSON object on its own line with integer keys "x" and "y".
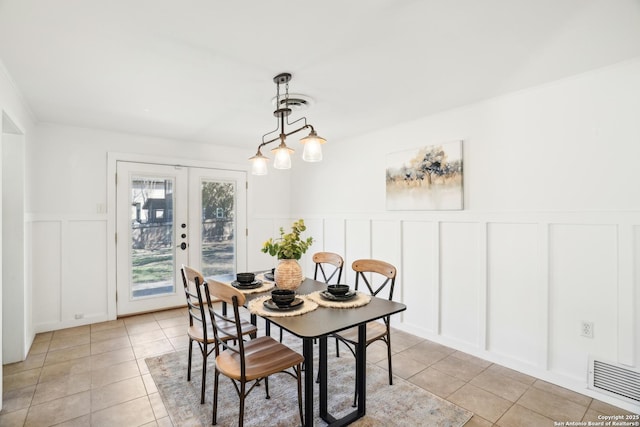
{"x": 328, "y": 264}
{"x": 193, "y": 283}
{"x": 387, "y": 272}
{"x": 225, "y": 326}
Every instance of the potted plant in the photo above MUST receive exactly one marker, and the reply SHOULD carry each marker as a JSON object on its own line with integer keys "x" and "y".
{"x": 288, "y": 248}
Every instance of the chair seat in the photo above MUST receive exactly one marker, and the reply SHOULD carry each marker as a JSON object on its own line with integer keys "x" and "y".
{"x": 229, "y": 329}
{"x": 226, "y": 328}
{"x": 263, "y": 356}
{"x": 375, "y": 330}
{"x": 195, "y": 333}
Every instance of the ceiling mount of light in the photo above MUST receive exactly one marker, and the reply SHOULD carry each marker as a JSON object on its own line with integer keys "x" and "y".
{"x": 284, "y": 106}
{"x": 295, "y": 101}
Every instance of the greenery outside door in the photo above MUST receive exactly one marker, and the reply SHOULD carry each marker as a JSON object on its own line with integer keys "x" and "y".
{"x": 168, "y": 216}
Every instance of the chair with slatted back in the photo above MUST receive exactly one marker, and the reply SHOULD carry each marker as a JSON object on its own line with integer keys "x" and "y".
{"x": 251, "y": 361}
{"x": 200, "y": 330}
{"x": 378, "y": 276}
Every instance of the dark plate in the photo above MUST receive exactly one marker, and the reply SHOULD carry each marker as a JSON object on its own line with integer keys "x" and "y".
{"x": 275, "y": 307}
{"x": 331, "y": 297}
{"x": 269, "y": 276}
{"x": 241, "y": 285}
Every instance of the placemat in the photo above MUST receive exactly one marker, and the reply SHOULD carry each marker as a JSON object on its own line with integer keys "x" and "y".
{"x": 256, "y": 307}
{"x": 266, "y": 286}
{"x": 357, "y": 301}
{"x": 260, "y": 276}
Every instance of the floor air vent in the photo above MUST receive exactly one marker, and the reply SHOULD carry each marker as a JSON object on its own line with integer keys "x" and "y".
{"x": 615, "y": 379}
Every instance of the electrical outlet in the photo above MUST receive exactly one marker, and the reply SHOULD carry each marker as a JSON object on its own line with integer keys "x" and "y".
{"x": 79, "y": 316}
{"x": 586, "y": 329}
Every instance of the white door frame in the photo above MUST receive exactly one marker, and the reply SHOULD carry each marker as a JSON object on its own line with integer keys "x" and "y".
{"x": 112, "y": 159}
{"x": 179, "y": 177}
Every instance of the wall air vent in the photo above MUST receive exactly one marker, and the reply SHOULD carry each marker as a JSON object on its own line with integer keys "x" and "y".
{"x": 615, "y": 379}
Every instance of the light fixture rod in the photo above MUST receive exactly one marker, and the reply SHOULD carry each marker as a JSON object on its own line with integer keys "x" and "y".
{"x": 277, "y": 138}
{"x": 312, "y": 142}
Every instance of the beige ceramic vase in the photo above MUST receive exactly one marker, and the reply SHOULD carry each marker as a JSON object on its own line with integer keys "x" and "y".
{"x": 288, "y": 274}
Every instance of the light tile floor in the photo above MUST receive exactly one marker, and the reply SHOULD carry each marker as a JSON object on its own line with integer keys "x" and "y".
{"x": 95, "y": 375}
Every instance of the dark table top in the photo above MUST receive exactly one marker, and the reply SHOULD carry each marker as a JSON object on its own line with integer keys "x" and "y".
{"x": 324, "y": 321}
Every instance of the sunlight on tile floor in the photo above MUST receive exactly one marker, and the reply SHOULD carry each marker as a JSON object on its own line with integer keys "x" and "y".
{"x": 96, "y": 375}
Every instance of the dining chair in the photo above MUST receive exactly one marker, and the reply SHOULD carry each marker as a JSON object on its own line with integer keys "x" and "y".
{"x": 328, "y": 264}
{"x": 200, "y": 329}
{"x": 379, "y": 277}
{"x": 250, "y": 361}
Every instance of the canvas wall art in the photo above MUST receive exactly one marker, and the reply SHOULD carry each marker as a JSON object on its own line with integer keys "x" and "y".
{"x": 426, "y": 178}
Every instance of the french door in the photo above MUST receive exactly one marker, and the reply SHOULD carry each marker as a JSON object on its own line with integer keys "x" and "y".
{"x": 168, "y": 216}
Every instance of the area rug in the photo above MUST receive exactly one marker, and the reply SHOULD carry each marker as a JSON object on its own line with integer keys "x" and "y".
{"x": 401, "y": 404}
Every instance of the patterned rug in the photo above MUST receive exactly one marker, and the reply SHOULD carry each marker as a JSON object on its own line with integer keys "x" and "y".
{"x": 401, "y": 404}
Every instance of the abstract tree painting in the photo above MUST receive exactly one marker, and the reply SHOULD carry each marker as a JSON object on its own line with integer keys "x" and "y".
{"x": 427, "y": 178}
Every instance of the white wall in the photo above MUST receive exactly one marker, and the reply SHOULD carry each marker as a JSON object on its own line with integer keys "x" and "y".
{"x": 549, "y": 236}
{"x": 16, "y": 119}
{"x": 67, "y": 189}
{"x": 16, "y": 310}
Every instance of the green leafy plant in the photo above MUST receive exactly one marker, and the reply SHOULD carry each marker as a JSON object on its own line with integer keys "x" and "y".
{"x": 289, "y": 246}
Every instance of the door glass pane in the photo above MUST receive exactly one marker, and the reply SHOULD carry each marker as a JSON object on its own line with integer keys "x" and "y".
{"x": 218, "y": 228}
{"x": 152, "y": 246}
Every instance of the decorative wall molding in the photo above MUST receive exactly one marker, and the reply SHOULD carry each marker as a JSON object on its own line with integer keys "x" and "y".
{"x": 522, "y": 326}
{"x": 68, "y": 270}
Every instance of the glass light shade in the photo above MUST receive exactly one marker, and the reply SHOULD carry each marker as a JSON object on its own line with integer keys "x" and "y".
{"x": 259, "y": 164}
{"x": 282, "y": 158}
{"x": 312, "y": 151}
{"x": 312, "y": 147}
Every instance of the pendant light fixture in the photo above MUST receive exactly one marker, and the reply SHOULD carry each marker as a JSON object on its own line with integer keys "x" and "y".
{"x": 282, "y": 153}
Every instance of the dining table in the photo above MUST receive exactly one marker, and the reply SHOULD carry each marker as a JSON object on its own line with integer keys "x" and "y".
{"x": 319, "y": 324}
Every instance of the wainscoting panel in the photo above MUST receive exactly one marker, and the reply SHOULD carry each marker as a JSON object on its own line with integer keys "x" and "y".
{"x": 386, "y": 245}
{"x": 358, "y": 240}
{"x": 635, "y": 314}
{"x": 69, "y": 271}
{"x": 334, "y": 237}
{"x": 459, "y": 281}
{"x": 627, "y": 320}
{"x": 84, "y": 290}
{"x": 515, "y": 292}
{"x": 47, "y": 275}
{"x": 583, "y": 276}
{"x": 420, "y": 275}
{"x": 315, "y": 230}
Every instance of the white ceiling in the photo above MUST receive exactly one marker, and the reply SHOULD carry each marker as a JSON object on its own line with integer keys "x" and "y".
{"x": 201, "y": 70}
